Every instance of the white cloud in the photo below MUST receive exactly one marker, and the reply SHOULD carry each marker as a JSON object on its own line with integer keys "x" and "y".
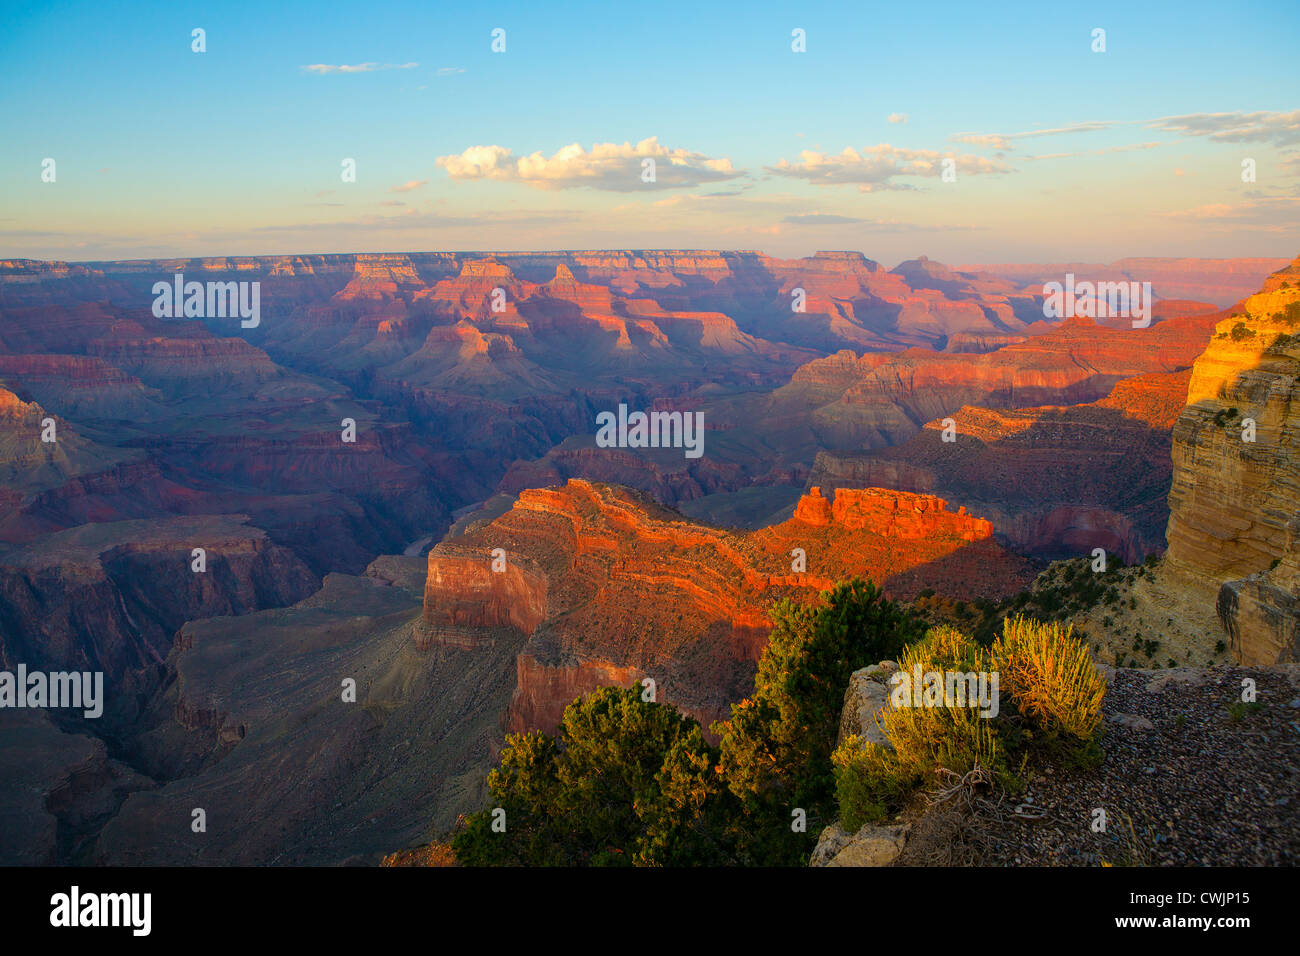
{"x": 409, "y": 186}
{"x": 357, "y": 67}
{"x": 607, "y": 166}
{"x": 898, "y": 117}
{"x": 875, "y": 167}
{"x": 1003, "y": 140}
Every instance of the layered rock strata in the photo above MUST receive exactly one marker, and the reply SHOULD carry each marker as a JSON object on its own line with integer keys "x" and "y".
{"x": 610, "y": 587}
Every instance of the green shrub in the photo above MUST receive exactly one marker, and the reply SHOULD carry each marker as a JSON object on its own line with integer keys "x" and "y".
{"x": 625, "y": 782}
{"x": 1050, "y": 677}
{"x": 869, "y": 782}
{"x": 1240, "y": 710}
{"x": 955, "y": 738}
{"x": 1050, "y": 707}
{"x": 777, "y": 746}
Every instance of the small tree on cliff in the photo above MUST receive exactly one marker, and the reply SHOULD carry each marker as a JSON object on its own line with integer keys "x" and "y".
{"x": 625, "y": 782}
{"x": 524, "y": 786}
{"x": 776, "y": 748}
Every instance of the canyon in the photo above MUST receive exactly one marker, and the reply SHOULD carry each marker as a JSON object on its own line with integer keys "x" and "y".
{"x": 473, "y": 382}
{"x": 1055, "y": 480}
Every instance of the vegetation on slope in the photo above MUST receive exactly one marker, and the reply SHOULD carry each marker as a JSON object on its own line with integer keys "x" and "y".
{"x": 627, "y": 781}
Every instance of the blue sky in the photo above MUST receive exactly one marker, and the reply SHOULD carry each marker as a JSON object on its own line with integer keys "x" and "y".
{"x": 163, "y": 151}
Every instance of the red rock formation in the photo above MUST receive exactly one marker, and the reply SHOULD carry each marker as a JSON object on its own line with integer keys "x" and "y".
{"x": 381, "y": 277}
{"x": 855, "y": 403}
{"x": 610, "y": 586}
{"x": 542, "y": 691}
{"x": 465, "y": 593}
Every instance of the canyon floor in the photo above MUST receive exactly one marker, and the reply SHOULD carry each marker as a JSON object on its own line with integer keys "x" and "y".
{"x": 253, "y": 729}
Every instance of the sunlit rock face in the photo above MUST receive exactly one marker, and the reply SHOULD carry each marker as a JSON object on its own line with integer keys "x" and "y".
{"x": 1234, "y": 502}
{"x": 610, "y": 587}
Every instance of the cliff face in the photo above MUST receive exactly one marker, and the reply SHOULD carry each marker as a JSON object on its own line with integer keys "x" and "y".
{"x": 111, "y": 596}
{"x": 463, "y": 594}
{"x": 252, "y": 726}
{"x": 881, "y": 398}
{"x": 610, "y": 587}
{"x": 1233, "y": 502}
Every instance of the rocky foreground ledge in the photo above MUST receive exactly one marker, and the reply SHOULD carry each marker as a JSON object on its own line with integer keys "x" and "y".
{"x": 1192, "y": 776}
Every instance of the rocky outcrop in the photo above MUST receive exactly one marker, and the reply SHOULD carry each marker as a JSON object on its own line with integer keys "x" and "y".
{"x": 111, "y": 596}
{"x": 864, "y": 700}
{"x": 1233, "y": 500}
{"x": 1261, "y": 612}
{"x": 899, "y": 516}
{"x": 873, "y": 845}
{"x": 468, "y": 591}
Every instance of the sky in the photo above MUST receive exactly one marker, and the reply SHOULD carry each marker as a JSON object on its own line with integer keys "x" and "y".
{"x": 1055, "y": 150}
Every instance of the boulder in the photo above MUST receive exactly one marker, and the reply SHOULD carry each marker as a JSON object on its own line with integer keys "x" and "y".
{"x": 866, "y": 697}
{"x": 870, "y": 846}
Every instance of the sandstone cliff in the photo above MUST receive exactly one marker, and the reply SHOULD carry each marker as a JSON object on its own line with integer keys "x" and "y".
{"x": 1234, "y": 501}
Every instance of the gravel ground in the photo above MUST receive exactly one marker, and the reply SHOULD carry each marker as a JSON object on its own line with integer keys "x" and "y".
{"x": 1184, "y": 782}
